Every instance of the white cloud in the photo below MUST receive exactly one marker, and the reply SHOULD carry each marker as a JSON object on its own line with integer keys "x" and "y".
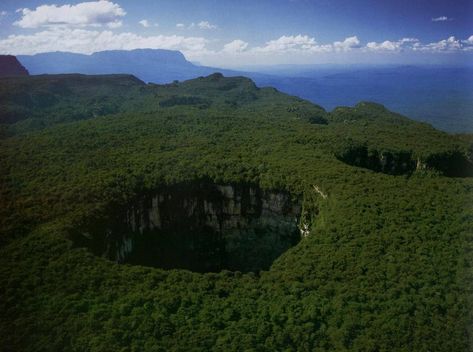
{"x": 348, "y": 44}
{"x": 446, "y": 45}
{"x": 3, "y": 13}
{"x": 394, "y": 46}
{"x": 88, "y": 41}
{"x": 180, "y": 25}
{"x": 285, "y": 49}
{"x": 450, "y": 44}
{"x": 289, "y": 43}
{"x": 205, "y": 25}
{"x": 468, "y": 43}
{"x": 305, "y": 44}
{"x": 94, "y": 13}
{"x": 441, "y": 19}
{"x": 387, "y": 45}
{"x": 115, "y": 24}
{"x": 236, "y": 46}
{"x": 145, "y": 23}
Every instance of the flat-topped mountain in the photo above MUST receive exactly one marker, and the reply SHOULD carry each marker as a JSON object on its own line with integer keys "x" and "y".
{"x": 149, "y": 65}
{"x": 10, "y": 66}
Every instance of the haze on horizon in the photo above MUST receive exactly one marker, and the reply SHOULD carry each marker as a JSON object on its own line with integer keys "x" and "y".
{"x": 236, "y": 34}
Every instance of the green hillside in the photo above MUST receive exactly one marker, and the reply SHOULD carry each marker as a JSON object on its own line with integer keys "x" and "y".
{"x": 385, "y": 264}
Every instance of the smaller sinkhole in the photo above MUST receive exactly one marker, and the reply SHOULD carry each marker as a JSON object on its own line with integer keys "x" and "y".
{"x": 200, "y": 226}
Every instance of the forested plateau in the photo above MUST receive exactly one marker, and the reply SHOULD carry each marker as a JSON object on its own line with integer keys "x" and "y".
{"x": 215, "y": 215}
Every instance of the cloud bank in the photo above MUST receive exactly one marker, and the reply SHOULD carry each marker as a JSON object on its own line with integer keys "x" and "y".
{"x": 87, "y": 27}
{"x": 87, "y": 41}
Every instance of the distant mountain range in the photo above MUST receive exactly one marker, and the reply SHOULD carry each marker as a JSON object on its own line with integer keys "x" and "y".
{"x": 442, "y": 96}
{"x": 149, "y": 65}
{"x": 9, "y": 66}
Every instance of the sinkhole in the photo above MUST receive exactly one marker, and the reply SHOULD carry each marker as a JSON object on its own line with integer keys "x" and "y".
{"x": 199, "y": 226}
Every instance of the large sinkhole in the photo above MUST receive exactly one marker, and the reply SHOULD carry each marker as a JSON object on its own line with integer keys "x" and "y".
{"x": 200, "y": 226}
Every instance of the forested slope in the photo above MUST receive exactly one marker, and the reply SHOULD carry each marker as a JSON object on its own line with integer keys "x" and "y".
{"x": 386, "y": 265}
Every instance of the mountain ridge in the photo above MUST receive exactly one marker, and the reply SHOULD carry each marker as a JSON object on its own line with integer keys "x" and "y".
{"x": 149, "y": 65}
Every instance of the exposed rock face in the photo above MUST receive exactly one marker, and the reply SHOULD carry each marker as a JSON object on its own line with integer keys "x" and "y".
{"x": 10, "y": 66}
{"x": 451, "y": 163}
{"x": 392, "y": 163}
{"x": 204, "y": 227}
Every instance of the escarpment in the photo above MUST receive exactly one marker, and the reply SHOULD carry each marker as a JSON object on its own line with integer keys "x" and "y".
{"x": 200, "y": 226}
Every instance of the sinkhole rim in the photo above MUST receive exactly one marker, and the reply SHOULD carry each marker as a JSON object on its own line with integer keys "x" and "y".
{"x": 251, "y": 230}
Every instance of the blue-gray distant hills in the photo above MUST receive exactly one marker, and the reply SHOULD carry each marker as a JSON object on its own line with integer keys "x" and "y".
{"x": 442, "y": 96}
{"x": 149, "y": 65}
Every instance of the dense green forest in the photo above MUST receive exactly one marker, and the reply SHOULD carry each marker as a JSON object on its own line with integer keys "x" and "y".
{"x": 386, "y": 265}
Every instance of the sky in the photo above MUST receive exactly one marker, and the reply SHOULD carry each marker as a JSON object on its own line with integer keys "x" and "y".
{"x": 230, "y": 33}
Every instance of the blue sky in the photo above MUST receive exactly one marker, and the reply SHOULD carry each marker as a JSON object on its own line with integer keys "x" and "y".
{"x": 235, "y": 33}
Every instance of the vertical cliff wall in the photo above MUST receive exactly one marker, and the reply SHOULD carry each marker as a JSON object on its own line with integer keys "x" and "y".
{"x": 202, "y": 226}
{"x": 452, "y": 163}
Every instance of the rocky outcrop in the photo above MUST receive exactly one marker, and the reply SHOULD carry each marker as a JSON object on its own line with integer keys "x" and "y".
{"x": 202, "y": 227}
{"x": 10, "y": 66}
